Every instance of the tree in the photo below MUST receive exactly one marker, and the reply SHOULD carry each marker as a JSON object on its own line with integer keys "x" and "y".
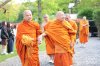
{"x": 96, "y": 17}
{"x": 39, "y": 11}
{"x": 52, "y": 6}
{"x": 88, "y": 12}
{"x": 28, "y": 5}
{"x": 84, "y": 4}
{"x": 9, "y": 11}
{"x": 4, "y": 3}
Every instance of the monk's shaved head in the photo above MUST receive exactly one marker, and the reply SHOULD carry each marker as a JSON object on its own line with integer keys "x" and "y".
{"x": 60, "y": 15}
{"x": 27, "y": 11}
{"x": 27, "y": 15}
{"x": 84, "y": 17}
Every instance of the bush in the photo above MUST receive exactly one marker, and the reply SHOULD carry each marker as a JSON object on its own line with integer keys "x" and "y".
{"x": 86, "y": 12}
{"x": 96, "y": 18}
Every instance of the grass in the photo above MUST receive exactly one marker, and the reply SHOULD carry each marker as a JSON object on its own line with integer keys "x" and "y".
{"x": 42, "y": 47}
{"x": 4, "y": 57}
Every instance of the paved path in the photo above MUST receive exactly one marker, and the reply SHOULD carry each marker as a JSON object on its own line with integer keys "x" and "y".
{"x": 89, "y": 56}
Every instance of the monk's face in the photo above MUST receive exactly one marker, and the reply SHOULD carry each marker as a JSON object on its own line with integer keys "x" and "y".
{"x": 60, "y": 16}
{"x": 46, "y": 18}
{"x": 28, "y": 15}
{"x": 67, "y": 18}
{"x": 78, "y": 20}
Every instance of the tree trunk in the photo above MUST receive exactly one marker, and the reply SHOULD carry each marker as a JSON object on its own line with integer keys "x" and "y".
{"x": 39, "y": 11}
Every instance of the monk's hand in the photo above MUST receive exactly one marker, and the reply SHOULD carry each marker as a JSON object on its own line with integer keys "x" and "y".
{"x": 72, "y": 44}
{"x": 40, "y": 39}
{"x": 85, "y": 25}
{"x": 43, "y": 34}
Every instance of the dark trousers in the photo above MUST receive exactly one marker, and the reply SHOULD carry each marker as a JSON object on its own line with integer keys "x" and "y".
{"x": 10, "y": 45}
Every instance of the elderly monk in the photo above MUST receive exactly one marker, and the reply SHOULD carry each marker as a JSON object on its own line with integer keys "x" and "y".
{"x": 83, "y": 31}
{"x": 49, "y": 45}
{"x": 26, "y": 40}
{"x": 60, "y": 32}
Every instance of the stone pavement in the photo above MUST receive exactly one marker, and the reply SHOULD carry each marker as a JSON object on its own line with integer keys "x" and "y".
{"x": 89, "y": 56}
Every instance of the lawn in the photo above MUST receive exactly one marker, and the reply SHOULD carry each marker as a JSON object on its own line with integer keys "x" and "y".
{"x": 4, "y": 57}
{"x": 42, "y": 46}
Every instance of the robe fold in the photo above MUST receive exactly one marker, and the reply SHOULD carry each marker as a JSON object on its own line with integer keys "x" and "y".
{"x": 74, "y": 26}
{"x": 50, "y": 48}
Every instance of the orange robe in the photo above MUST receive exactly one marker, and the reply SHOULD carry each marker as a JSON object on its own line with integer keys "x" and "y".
{"x": 60, "y": 33}
{"x": 28, "y": 52}
{"x": 48, "y": 41}
{"x": 83, "y": 31}
{"x": 74, "y": 26}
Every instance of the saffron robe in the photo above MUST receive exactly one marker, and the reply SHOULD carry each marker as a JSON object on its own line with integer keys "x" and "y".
{"x": 27, "y": 49}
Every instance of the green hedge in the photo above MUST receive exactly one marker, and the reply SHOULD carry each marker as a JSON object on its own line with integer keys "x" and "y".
{"x": 88, "y": 12}
{"x": 96, "y": 18}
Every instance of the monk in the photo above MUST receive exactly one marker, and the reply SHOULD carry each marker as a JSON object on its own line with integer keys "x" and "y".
{"x": 60, "y": 32}
{"x": 73, "y": 24}
{"x": 83, "y": 31}
{"x": 26, "y": 40}
{"x": 49, "y": 46}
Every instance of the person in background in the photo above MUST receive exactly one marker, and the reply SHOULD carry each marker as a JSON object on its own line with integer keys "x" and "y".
{"x": 4, "y": 37}
{"x": 14, "y": 29}
{"x": 74, "y": 26}
{"x": 10, "y": 44}
{"x": 83, "y": 31}
{"x": 49, "y": 45}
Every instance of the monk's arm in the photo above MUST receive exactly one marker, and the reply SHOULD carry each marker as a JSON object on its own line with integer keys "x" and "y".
{"x": 72, "y": 37}
{"x": 72, "y": 33}
{"x": 45, "y": 32}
